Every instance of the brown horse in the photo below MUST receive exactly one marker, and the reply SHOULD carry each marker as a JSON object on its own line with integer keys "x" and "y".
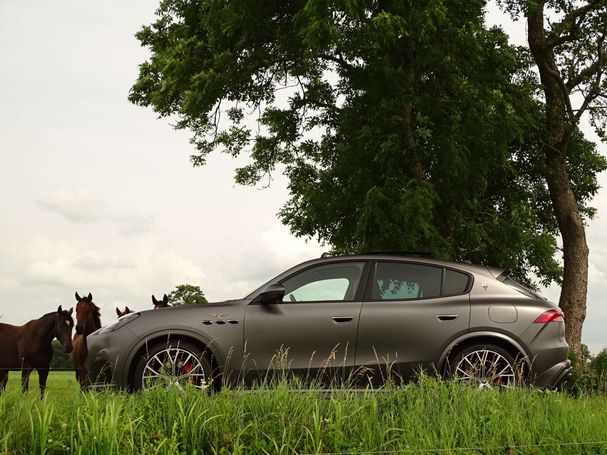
{"x": 28, "y": 347}
{"x": 164, "y": 303}
{"x": 122, "y": 313}
{"x": 87, "y": 321}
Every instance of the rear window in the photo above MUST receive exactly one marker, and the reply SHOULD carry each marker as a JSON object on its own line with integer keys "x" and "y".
{"x": 455, "y": 283}
{"x": 403, "y": 281}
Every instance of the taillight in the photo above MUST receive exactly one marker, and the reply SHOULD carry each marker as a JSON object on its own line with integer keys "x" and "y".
{"x": 549, "y": 316}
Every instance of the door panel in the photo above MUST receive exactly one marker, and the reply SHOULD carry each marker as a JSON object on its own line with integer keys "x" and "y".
{"x": 313, "y": 331}
{"x": 308, "y": 338}
{"x": 405, "y": 323}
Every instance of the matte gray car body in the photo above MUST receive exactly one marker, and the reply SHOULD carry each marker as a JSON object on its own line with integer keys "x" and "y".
{"x": 379, "y": 326}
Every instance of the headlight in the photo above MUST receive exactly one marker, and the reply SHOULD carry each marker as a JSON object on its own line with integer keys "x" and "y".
{"x": 119, "y": 323}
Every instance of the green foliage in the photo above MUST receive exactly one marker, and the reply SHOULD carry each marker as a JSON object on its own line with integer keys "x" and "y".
{"x": 61, "y": 359}
{"x": 400, "y": 125}
{"x": 589, "y": 376}
{"x": 187, "y": 294}
{"x": 429, "y": 416}
{"x": 599, "y": 363}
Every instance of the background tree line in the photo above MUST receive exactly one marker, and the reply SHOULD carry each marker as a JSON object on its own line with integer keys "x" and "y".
{"x": 400, "y": 125}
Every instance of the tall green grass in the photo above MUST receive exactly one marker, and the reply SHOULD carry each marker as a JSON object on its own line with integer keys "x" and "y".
{"x": 426, "y": 416}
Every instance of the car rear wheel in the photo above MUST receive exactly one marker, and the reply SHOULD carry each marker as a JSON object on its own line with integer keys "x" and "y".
{"x": 178, "y": 364}
{"x": 485, "y": 367}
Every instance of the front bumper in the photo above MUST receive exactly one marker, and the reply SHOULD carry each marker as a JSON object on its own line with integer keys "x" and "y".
{"x": 106, "y": 354}
{"x": 101, "y": 372}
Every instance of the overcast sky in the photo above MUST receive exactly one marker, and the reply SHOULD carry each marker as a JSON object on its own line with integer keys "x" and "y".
{"x": 99, "y": 195}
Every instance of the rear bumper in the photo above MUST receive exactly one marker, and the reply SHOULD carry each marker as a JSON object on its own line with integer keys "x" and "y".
{"x": 554, "y": 376}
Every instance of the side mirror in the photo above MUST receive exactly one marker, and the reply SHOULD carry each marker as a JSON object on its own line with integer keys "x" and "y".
{"x": 271, "y": 294}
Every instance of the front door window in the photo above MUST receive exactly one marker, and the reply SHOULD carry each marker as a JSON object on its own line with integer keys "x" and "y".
{"x": 325, "y": 283}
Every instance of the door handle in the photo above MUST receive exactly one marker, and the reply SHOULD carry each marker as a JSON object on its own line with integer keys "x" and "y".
{"x": 342, "y": 318}
{"x": 446, "y": 317}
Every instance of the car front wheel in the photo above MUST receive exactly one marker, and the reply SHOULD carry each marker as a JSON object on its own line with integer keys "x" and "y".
{"x": 176, "y": 363}
{"x": 485, "y": 367}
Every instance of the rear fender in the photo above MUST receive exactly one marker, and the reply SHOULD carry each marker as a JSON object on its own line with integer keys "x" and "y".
{"x": 482, "y": 337}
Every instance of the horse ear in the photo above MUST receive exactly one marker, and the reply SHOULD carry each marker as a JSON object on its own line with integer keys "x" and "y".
{"x": 59, "y": 310}
{"x": 78, "y": 297}
{"x": 154, "y": 301}
{"x": 90, "y": 297}
{"x": 71, "y": 311}
{"x": 165, "y": 299}
{"x": 126, "y": 309}
{"x": 118, "y": 312}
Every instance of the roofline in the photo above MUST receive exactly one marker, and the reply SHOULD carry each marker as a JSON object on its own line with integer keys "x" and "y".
{"x": 419, "y": 257}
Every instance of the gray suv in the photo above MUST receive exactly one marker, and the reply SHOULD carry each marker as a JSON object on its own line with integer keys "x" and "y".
{"x": 360, "y": 318}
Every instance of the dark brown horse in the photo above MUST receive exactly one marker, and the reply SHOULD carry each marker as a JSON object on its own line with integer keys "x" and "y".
{"x": 122, "y": 313}
{"x": 164, "y": 303}
{"x": 87, "y": 321}
{"x": 28, "y": 347}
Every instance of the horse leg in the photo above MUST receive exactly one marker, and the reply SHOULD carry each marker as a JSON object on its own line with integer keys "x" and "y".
{"x": 42, "y": 376}
{"x": 82, "y": 376}
{"x": 25, "y": 379}
{"x": 3, "y": 379}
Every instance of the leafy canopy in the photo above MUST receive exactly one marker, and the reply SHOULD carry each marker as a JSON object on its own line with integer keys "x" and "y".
{"x": 400, "y": 125}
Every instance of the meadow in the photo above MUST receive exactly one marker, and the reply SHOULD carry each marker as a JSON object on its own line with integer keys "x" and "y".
{"x": 429, "y": 416}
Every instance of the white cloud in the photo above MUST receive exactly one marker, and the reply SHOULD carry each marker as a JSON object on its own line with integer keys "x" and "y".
{"x": 132, "y": 224}
{"x": 77, "y": 207}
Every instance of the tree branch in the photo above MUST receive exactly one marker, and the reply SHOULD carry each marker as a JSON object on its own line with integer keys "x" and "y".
{"x": 340, "y": 61}
{"x": 569, "y": 23}
{"x": 587, "y": 72}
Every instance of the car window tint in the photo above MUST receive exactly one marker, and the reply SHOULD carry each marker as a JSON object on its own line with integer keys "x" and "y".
{"x": 327, "y": 282}
{"x": 399, "y": 281}
{"x": 455, "y": 283}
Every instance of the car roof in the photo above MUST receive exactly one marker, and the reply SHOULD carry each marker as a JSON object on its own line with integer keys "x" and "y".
{"x": 420, "y": 258}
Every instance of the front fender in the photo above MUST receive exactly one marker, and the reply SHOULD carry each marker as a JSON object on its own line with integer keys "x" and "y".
{"x": 153, "y": 337}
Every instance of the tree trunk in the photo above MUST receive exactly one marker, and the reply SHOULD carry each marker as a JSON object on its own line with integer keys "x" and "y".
{"x": 571, "y": 225}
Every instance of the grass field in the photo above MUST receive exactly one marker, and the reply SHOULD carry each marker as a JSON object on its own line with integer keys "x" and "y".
{"x": 58, "y": 382}
{"x": 428, "y": 417}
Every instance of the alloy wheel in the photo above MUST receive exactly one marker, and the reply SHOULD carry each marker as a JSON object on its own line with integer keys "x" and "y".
{"x": 174, "y": 367}
{"x": 485, "y": 369}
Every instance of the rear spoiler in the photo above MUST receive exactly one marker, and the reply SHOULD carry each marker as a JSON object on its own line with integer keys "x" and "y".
{"x": 499, "y": 274}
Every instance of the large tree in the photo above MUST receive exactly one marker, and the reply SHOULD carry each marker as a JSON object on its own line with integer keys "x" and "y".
{"x": 400, "y": 125}
{"x": 567, "y": 42}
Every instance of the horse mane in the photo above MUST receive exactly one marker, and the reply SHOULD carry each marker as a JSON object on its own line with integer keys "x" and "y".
{"x": 96, "y": 316}
{"x": 45, "y": 316}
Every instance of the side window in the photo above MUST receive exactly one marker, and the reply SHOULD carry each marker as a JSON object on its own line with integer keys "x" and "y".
{"x": 329, "y": 282}
{"x": 401, "y": 281}
{"x": 455, "y": 283}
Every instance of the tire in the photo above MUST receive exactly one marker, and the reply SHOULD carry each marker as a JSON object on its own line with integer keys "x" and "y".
{"x": 176, "y": 363}
{"x": 485, "y": 366}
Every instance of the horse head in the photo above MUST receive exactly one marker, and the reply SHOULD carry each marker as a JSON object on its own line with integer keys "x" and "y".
{"x": 87, "y": 315}
{"x": 164, "y": 303}
{"x": 63, "y": 328}
{"x": 122, "y": 313}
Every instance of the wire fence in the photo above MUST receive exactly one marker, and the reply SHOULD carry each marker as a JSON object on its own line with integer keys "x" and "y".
{"x": 506, "y": 449}
{"x": 50, "y": 369}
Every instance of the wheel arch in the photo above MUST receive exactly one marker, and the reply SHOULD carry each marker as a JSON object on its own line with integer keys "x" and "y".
{"x": 478, "y": 338}
{"x": 163, "y": 337}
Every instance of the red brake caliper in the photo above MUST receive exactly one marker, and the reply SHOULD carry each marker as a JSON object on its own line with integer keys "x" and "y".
{"x": 187, "y": 368}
